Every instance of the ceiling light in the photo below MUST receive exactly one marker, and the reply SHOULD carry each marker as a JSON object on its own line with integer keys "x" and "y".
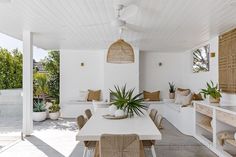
{"x": 120, "y": 52}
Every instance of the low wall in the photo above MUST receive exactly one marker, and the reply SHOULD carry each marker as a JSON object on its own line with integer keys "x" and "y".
{"x": 11, "y": 103}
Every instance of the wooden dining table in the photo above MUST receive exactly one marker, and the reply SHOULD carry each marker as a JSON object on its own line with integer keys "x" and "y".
{"x": 97, "y": 125}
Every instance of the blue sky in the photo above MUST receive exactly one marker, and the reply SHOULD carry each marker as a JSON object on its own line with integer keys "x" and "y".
{"x": 12, "y": 43}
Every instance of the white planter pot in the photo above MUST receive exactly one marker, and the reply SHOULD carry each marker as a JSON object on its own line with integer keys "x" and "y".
{"x": 119, "y": 113}
{"x": 54, "y": 115}
{"x": 39, "y": 116}
{"x": 112, "y": 109}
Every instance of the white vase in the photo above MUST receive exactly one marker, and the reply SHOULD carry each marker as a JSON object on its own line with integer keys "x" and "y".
{"x": 112, "y": 109}
{"x": 119, "y": 113}
{"x": 39, "y": 116}
{"x": 54, "y": 115}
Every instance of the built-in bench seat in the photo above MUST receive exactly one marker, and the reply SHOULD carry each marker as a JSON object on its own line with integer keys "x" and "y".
{"x": 181, "y": 117}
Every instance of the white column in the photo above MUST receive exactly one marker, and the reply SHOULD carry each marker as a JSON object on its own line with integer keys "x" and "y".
{"x": 27, "y": 82}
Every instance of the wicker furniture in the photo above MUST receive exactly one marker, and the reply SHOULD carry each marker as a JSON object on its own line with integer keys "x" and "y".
{"x": 88, "y": 113}
{"x": 89, "y": 145}
{"x": 152, "y": 114}
{"x": 120, "y": 146}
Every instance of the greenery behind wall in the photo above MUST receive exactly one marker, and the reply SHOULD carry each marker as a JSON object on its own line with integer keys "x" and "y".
{"x": 10, "y": 69}
{"x": 11, "y": 64}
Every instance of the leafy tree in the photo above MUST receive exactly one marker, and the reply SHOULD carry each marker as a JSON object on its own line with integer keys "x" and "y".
{"x": 52, "y": 66}
{"x": 40, "y": 83}
{"x": 10, "y": 69}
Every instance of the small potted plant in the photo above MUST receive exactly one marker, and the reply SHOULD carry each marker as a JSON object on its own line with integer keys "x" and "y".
{"x": 39, "y": 112}
{"x": 54, "y": 111}
{"x": 171, "y": 90}
{"x": 213, "y": 92}
{"x": 126, "y": 103}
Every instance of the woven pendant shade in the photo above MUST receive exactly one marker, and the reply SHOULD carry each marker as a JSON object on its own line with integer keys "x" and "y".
{"x": 120, "y": 52}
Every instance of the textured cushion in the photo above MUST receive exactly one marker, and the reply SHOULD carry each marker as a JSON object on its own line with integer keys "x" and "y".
{"x": 183, "y": 100}
{"x": 94, "y": 95}
{"x": 151, "y": 96}
{"x": 183, "y": 92}
{"x": 186, "y": 100}
{"x": 197, "y": 96}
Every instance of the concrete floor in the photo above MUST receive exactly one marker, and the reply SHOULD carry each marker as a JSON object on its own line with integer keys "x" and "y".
{"x": 57, "y": 139}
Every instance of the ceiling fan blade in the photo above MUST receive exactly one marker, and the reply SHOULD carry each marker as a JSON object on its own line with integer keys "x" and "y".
{"x": 135, "y": 28}
{"x": 129, "y": 11}
{"x": 95, "y": 24}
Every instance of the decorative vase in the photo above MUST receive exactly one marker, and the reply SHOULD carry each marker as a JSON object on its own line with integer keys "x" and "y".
{"x": 214, "y": 100}
{"x": 119, "y": 113}
{"x": 112, "y": 109}
{"x": 54, "y": 115}
{"x": 171, "y": 95}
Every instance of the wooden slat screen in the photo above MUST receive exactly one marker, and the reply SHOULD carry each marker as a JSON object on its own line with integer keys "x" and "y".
{"x": 227, "y": 62}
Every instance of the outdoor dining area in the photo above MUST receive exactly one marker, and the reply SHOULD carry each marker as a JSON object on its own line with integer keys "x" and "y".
{"x": 109, "y": 136}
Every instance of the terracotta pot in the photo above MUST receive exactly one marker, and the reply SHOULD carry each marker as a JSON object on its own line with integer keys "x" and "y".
{"x": 213, "y": 100}
{"x": 171, "y": 95}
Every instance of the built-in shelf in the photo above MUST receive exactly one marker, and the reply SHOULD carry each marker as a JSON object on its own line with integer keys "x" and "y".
{"x": 223, "y": 118}
{"x": 205, "y": 126}
{"x": 232, "y": 142}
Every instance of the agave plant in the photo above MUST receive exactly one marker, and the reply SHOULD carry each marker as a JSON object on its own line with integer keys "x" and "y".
{"x": 125, "y": 100}
{"x": 211, "y": 90}
{"x": 39, "y": 107}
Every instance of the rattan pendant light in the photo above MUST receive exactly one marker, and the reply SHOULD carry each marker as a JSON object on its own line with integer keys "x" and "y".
{"x": 120, "y": 52}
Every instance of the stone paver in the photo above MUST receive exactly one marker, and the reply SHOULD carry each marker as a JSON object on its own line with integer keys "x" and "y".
{"x": 57, "y": 139}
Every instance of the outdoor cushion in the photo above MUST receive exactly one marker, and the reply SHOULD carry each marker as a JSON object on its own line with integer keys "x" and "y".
{"x": 151, "y": 96}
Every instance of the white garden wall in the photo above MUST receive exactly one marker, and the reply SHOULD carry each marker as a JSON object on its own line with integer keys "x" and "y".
{"x": 10, "y": 103}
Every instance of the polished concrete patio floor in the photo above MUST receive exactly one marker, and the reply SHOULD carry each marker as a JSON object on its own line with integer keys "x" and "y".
{"x": 57, "y": 139}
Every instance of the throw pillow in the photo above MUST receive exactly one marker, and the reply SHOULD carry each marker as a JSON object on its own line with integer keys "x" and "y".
{"x": 183, "y": 92}
{"x": 186, "y": 100}
{"x": 94, "y": 95}
{"x": 178, "y": 98}
{"x": 183, "y": 100}
{"x": 83, "y": 95}
{"x": 197, "y": 96}
{"x": 151, "y": 96}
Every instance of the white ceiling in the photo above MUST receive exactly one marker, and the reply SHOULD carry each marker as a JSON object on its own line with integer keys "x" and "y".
{"x": 163, "y": 25}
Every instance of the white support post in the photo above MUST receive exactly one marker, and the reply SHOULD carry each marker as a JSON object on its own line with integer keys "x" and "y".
{"x": 27, "y": 82}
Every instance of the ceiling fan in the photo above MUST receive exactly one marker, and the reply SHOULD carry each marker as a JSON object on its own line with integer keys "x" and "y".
{"x": 123, "y": 13}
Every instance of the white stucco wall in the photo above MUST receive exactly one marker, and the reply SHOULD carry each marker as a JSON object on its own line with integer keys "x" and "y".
{"x": 154, "y": 77}
{"x": 177, "y": 67}
{"x": 95, "y": 74}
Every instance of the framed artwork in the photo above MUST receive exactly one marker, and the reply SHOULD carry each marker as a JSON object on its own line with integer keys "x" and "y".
{"x": 201, "y": 59}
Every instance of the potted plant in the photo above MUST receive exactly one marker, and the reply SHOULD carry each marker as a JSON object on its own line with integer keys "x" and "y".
{"x": 126, "y": 102}
{"x": 54, "y": 111}
{"x": 39, "y": 112}
{"x": 171, "y": 90}
{"x": 213, "y": 92}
